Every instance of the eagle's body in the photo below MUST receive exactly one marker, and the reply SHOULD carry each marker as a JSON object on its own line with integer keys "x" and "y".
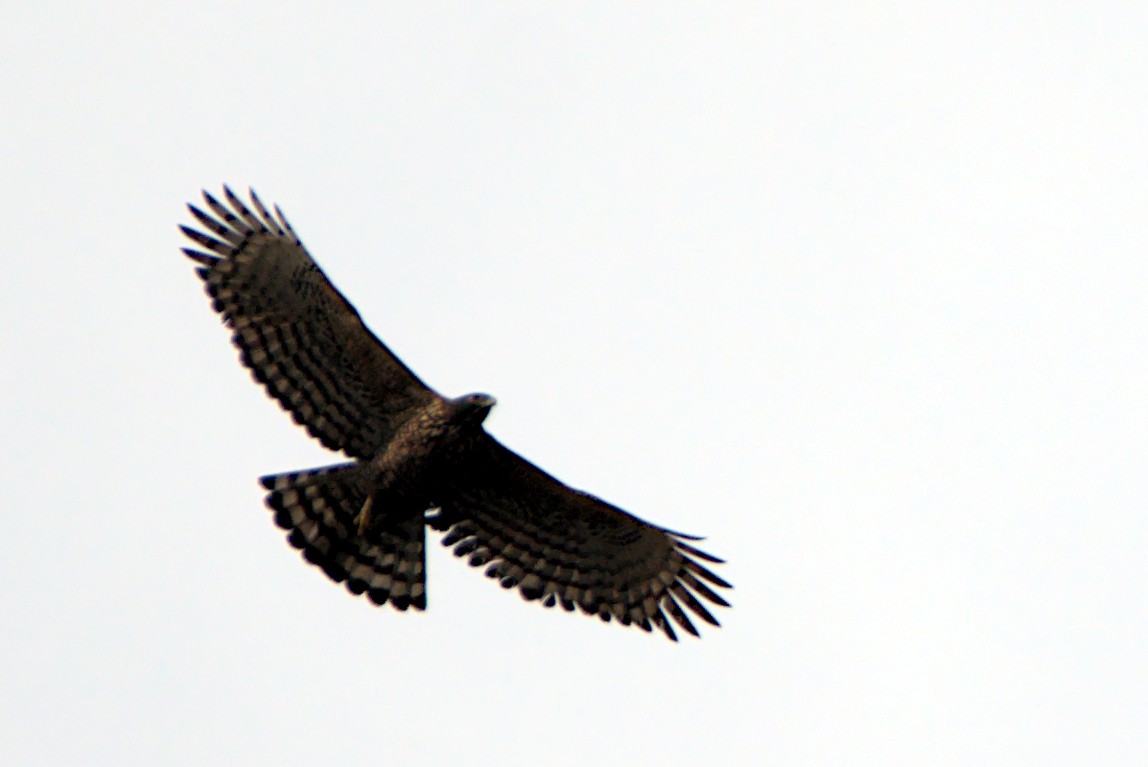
{"x": 419, "y": 458}
{"x": 424, "y": 452}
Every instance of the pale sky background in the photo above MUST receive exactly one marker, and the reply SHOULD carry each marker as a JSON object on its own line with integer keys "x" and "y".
{"x": 858, "y": 293}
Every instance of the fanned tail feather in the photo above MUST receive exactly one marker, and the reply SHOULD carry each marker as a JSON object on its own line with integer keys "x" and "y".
{"x": 321, "y": 508}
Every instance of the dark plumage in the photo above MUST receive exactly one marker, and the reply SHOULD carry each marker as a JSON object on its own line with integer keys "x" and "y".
{"x": 420, "y": 459}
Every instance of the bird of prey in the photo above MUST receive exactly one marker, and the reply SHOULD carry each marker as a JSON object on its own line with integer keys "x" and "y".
{"x": 419, "y": 459}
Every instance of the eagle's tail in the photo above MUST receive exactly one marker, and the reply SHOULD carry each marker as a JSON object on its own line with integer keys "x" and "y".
{"x": 342, "y": 526}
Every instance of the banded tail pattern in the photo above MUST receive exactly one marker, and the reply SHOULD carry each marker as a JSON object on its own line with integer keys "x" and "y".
{"x": 321, "y": 509}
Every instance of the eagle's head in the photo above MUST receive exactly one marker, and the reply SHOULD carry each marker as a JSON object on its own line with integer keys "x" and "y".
{"x": 473, "y": 408}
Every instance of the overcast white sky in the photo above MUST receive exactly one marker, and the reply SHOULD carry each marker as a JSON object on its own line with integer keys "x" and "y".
{"x": 857, "y": 293}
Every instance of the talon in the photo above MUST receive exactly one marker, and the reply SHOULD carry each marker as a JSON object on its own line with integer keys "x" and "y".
{"x": 363, "y": 520}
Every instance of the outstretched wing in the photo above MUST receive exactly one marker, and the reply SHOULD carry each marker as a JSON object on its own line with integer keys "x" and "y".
{"x": 566, "y": 547}
{"x": 301, "y": 338}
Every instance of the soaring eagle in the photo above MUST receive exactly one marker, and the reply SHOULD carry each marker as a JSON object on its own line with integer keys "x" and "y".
{"x": 419, "y": 458}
